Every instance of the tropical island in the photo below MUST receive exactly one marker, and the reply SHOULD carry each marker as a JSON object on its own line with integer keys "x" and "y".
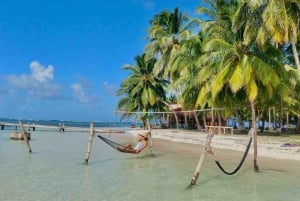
{"x": 235, "y": 59}
{"x": 207, "y": 84}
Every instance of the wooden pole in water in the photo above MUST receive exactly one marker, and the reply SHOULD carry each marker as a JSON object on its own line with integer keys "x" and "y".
{"x": 207, "y": 149}
{"x": 25, "y": 136}
{"x": 89, "y": 148}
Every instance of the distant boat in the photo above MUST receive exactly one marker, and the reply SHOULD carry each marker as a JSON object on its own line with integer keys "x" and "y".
{"x": 19, "y": 135}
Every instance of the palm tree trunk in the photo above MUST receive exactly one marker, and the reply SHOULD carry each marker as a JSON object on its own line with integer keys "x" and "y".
{"x": 269, "y": 122}
{"x": 254, "y": 137}
{"x": 296, "y": 57}
{"x": 204, "y": 120}
{"x": 219, "y": 121}
{"x": 298, "y": 123}
{"x": 281, "y": 114}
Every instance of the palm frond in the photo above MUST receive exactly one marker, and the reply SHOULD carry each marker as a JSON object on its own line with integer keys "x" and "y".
{"x": 236, "y": 82}
{"x": 219, "y": 81}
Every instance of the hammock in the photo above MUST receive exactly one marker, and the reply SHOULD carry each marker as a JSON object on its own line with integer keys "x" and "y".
{"x": 115, "y": 145}
{"x": 111, "y": 143}
{"x": 239, "y": 165}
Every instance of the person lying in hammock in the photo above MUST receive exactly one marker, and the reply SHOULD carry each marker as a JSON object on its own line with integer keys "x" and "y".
{"x": 142, "y": 144}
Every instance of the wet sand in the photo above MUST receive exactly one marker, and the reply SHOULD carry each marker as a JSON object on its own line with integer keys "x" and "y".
{"x": 228, "y": 158}
{"x": 228, "y": 149}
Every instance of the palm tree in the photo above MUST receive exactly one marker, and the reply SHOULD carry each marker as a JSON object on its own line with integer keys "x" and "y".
{"x": 166, "y": 33}
{"x": 281, "y": 20}
{"x": 184, "y": 65}
{"x": 275, "y": 20}
{"x": 236, "y": 71}
{"x": 141, "y": 91}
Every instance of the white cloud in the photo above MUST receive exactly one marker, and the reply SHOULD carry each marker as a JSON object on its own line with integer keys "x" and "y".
{"x": 40, "y": 73}
{"x": 79, "y": 93}
{"x": 82, "y": 92}
{"x": 38, "y": 82}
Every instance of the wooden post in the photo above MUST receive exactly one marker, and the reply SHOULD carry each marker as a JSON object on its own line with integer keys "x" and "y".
{"x": 89, "y": 147}
{"x": 197, "y": 121}
{"x": 207, "y": 149}
{"x": 150, "y": 136}
{"x": 186, "y": 124}
{"x": 61, "y": 127}
{"x": 25, "y": 136}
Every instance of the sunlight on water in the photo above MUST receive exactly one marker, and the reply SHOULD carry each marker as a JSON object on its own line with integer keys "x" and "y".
{"x": 56, "y": 171}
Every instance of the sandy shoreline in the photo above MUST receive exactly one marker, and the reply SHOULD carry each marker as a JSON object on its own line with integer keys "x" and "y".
{"x": 270, "y": 147}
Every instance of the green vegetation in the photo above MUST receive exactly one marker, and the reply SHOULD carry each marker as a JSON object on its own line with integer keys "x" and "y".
{"x": 141, "y": 90}
{"x": 239, "y": 55}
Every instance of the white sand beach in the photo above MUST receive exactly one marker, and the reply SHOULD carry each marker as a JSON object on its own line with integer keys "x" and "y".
{"x": 268, "y": 146}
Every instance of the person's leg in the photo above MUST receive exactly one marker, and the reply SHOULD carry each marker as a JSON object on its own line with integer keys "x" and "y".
{"x": 127, "y": 147}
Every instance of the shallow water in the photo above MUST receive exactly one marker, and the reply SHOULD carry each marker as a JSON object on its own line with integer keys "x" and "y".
{"x": 56, "y": 171}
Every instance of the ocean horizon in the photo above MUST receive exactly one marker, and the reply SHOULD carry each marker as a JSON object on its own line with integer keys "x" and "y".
{"x": 70, "y": 123}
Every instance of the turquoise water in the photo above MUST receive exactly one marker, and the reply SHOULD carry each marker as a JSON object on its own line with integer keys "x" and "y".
{"x": 56, "y": 171}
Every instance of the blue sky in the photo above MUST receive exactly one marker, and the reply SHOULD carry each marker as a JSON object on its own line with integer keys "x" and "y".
{"x": 63, "y": 59}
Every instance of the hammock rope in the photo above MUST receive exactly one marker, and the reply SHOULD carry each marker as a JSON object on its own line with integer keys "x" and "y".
{"x": 239, "y": 165}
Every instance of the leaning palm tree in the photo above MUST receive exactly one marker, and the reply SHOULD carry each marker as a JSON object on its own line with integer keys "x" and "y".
{"x": 241, "y": 71}
{"x": 141, "y": 91}
{"x": 234, "y": 70}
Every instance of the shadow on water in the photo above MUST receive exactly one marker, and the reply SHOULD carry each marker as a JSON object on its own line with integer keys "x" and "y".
{"x": 40, "y": 152}
{"x": 273, "y": 170}
{"x": 262, "y": 170}
{"x": 99, "y": 161}
{"x": 135, "y": 157}
{"x": 216, "y": 177}
{"x": 124, "y": 156}
{"x": 203, "y": 181}
{"x": 244, "y": 171}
